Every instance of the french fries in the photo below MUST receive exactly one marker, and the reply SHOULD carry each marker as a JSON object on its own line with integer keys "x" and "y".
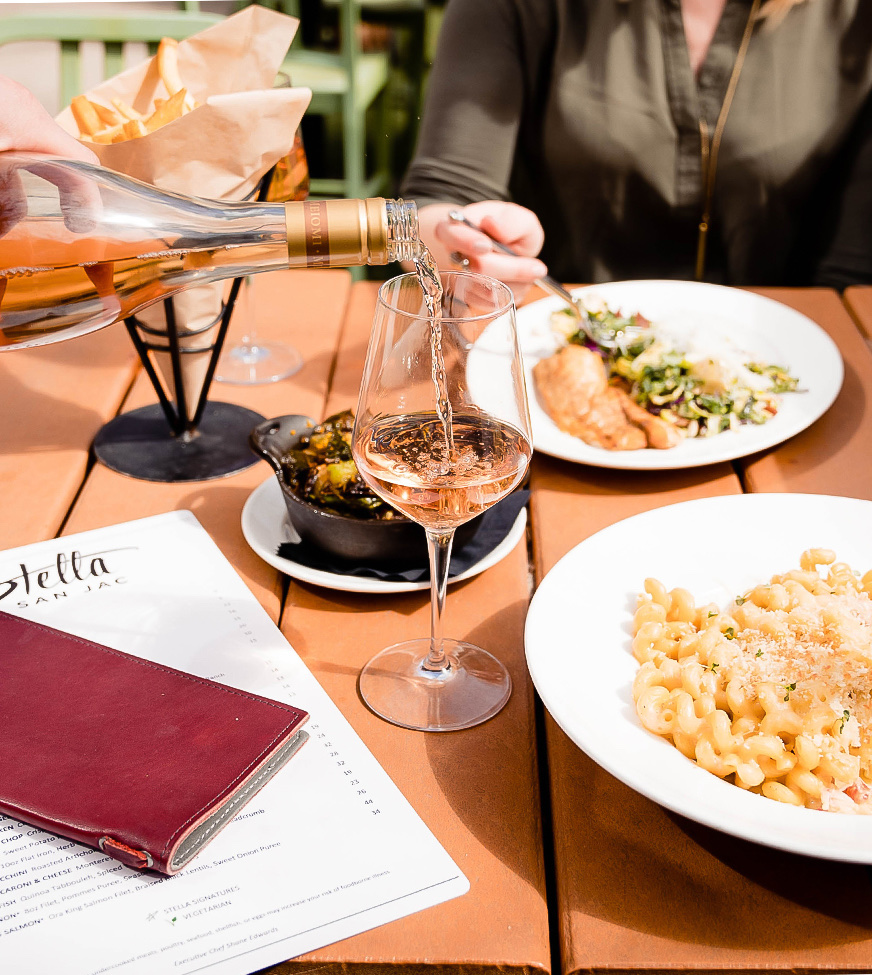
{"x": 134, "y": 128}
{"x": 109, "y": 135}
{"x": 171, "y": 109}
{"x": 168, "y": 69}
{"x": 106, "y": 126}
{"x": 106, "y": 115}
{"x": 86, "y": 116}
{"x": 126, "y": 110}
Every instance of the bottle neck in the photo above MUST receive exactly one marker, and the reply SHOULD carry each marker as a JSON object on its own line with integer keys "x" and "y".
{"x": 404, "y": 244}
{"x": 350, "y": 233}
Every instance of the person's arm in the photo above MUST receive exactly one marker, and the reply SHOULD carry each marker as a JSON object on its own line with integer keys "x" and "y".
{"x": 844, "y": 248}
{"x": 26, "y": 126}
{"x": 467, "y": 141}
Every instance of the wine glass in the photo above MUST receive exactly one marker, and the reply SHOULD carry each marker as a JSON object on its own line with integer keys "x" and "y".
{"x": 253, "y": 361}
{"x": 442, "y": 432}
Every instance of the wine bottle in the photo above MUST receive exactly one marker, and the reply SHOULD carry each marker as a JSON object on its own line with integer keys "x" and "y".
{"x": 82, "y": 247}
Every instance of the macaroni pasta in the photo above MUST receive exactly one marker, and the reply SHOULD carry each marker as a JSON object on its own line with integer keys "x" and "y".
{"x": 773, "y": 693}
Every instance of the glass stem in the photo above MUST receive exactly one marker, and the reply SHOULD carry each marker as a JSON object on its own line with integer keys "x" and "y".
{"x": 249, "y": 338}
{"x": 439, "y": 550}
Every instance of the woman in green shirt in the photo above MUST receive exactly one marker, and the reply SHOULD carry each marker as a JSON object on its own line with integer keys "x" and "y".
{"x": 605, "y": 132}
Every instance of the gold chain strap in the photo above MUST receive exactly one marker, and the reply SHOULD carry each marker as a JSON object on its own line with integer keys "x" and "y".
{"x": 709, "y": 150}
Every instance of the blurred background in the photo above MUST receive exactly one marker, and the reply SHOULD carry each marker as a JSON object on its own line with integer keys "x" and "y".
{"x": 366, "y": 61}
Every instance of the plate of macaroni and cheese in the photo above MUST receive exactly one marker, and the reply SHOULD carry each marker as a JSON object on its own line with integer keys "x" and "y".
{"x": 716, "y": 656}
{"x": 672, "y": 374}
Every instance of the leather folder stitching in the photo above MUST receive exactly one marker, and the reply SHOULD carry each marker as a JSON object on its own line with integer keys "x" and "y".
{"x": 239, "y": 778}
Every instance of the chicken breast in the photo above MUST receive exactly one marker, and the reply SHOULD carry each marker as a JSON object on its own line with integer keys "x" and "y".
{"x": 575, "y": 393}
{"x": 659, "y": 433}
{"x": 574, "y": 390}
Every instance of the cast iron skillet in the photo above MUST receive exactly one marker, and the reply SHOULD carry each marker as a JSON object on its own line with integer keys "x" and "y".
{"x": 397, "y": 542}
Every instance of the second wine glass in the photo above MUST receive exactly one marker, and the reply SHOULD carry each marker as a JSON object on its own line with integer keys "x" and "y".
{"x": 252, "y": 361}
{"x": 442, "y": 432}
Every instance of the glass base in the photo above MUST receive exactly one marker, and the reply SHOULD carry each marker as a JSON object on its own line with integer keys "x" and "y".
{"x": 252, "y": 363}
{"x": 395, "y": 685}
{"x": 141, "y": 444}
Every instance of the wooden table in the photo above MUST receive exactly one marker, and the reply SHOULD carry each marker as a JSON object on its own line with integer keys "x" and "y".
{"x": 584, "y": 874}
{"x": 638, "y": 888}
{"x": 477, "y": 790}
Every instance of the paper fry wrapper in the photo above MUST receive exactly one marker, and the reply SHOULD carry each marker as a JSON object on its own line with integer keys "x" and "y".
{"x": 221, "y": 149}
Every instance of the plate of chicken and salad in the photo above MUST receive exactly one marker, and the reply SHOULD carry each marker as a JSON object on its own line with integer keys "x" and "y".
{"x": 677, "y": 374}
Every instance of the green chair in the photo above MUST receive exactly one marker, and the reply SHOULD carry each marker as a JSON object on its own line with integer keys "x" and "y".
{"x": 71, "y": 28}
{"x": 409, "y": 21}
{"x": 347, "y": 85}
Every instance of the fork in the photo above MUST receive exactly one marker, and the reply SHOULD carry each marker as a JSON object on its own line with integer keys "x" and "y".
{"x": 547, "y": 283}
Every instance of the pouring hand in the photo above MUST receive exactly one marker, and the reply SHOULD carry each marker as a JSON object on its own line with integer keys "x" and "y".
{"x": 26, "y": 126}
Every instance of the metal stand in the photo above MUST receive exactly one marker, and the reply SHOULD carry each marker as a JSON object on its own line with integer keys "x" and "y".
{"x": 166, "y": 441}
{"x": 138, "y": 444}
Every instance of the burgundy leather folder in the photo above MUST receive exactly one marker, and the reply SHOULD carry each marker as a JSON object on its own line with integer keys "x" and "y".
{"x": 143, "y": 761}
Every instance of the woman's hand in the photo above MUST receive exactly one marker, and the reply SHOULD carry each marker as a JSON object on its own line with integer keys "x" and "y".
{"x": 26, "y": 126}
{"x": 454, "y": 244}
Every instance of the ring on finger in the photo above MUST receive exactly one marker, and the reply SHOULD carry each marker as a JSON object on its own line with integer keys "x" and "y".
{"x": 458, "y": 259}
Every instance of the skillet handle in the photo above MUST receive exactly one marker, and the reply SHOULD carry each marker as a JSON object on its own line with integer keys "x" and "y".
{"x": 272, "y": 439}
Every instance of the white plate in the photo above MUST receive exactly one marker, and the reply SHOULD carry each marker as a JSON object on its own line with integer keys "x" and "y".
{"x": 766, "y": 329}
{"x": 578, "y": 635}
{"x": 265, "y": 525}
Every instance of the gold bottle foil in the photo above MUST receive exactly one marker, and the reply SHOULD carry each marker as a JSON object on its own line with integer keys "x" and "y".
{"x": 337, "y": 233}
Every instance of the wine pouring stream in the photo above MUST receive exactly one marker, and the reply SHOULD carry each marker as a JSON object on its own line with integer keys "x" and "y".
{"x": 442, "y": 432}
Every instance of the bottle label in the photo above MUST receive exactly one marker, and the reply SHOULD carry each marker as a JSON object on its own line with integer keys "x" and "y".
{"x": 317, "y": 233}
{"x": 335, "y": 233}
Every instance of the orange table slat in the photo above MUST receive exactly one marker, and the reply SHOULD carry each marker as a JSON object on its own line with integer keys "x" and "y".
{"x": 476, "y": 789}
{"x": 830, "y": 457}
{"x": 54, "y": 400}
{"x": 305, "y": 308}
{"x": 858, "y": 301}
{"x": 638, "y": 887}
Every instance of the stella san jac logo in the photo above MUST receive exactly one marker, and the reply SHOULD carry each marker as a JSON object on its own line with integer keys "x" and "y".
{"x": 71, "y": 573}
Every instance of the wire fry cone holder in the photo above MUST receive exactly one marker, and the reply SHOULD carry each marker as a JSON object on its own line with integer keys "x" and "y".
{"x": 184, "y": 436}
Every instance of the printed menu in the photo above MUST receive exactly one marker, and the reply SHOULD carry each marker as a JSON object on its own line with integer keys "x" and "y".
{"x": 327, "y": 849}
